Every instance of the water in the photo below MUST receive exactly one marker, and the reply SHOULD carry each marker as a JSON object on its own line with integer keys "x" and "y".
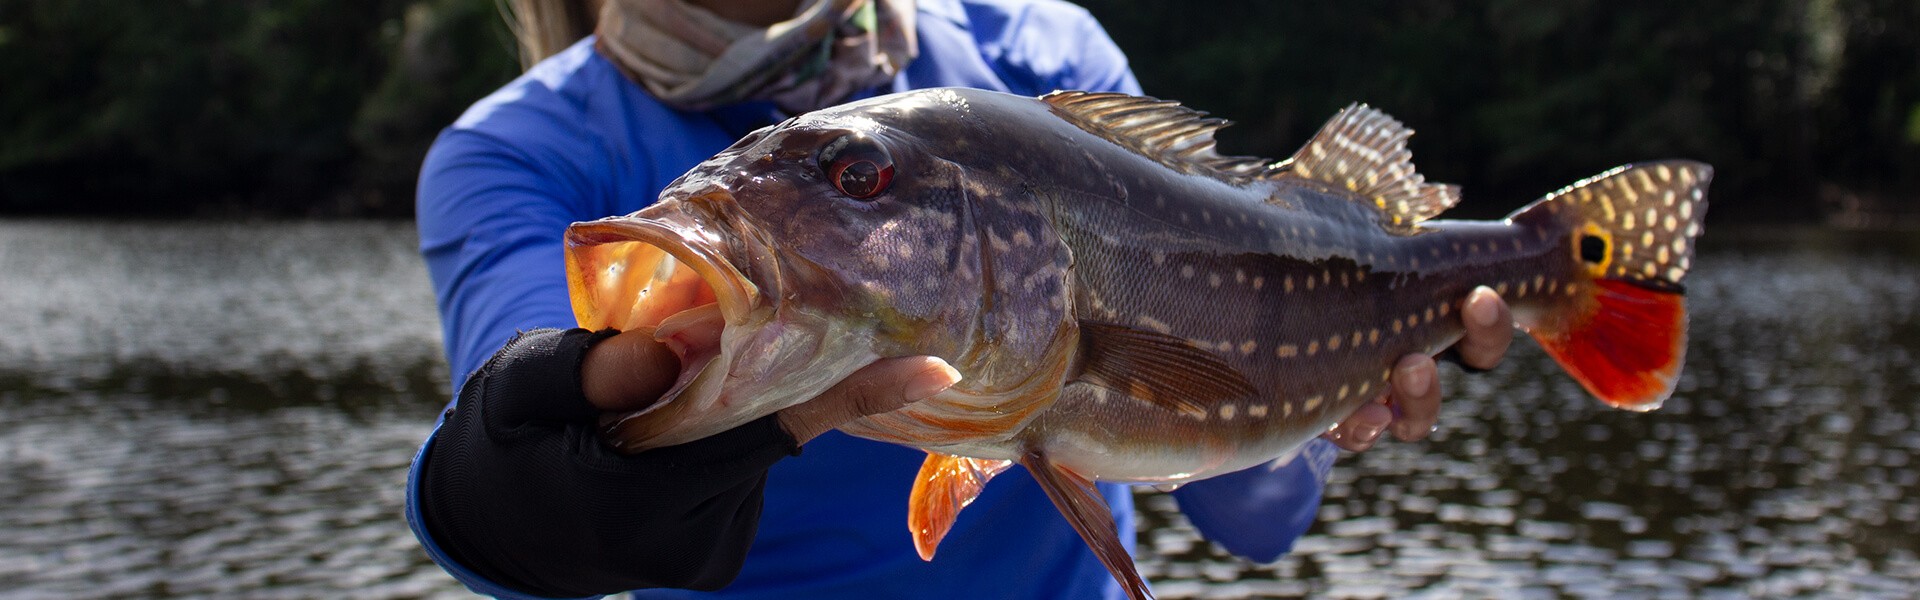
{"x": 193, "y": 410}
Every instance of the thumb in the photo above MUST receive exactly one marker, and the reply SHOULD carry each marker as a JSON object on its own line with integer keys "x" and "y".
{"x": 886, "y": 385}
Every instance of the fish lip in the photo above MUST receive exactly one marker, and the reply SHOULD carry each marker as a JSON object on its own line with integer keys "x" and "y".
{"x": 693, "y": 236}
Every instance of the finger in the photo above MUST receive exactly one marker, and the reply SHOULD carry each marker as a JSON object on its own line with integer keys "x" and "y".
{"x": 1489, "y": 329}
{"x": 1361, "y": 429}
{"x": 628, "y": 371}
{"x": 883, "y": 386}
{"x": 1416, "y": 396}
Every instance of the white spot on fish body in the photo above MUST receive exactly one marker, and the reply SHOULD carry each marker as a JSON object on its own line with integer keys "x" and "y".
{"x": 1257, "y": 411}
{"x": 1227, "y": 411}
{"x": 1247, "y": 347}
{"x": 1186, "y": 271}
{"x": 1153, "y": 324}
{"x": 1159, "y": 257}
{"x": 1286, "y": 351}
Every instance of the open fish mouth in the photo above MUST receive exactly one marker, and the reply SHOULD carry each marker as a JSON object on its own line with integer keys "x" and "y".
{"x": 682, "y": 270}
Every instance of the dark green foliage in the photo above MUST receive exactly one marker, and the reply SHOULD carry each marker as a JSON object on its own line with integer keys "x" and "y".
{"x": 304, "y": 107}
{"x": 296, "y": 107}
{"x": 1792, "y": 101}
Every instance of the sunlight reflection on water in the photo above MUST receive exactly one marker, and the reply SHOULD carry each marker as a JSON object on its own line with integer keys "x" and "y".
{"x": 192, "y": 410}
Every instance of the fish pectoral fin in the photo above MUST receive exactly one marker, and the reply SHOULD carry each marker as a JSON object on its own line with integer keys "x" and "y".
{"x": 1080, "y": 502}
{"x": 946, "y": 484}
{"x": 1157, "y": 368}
{"x": 1363, "y": 151}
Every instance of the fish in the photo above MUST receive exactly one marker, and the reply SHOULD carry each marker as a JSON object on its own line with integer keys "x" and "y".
{"x": 1124, "y": 302}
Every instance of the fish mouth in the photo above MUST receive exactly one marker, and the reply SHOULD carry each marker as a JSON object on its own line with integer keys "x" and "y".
{"x": 635, "y": 271}
{"x": 694, "y": 277}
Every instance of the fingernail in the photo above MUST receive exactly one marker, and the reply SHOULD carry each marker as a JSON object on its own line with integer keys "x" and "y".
{"x": 935, "y": 379}
{"x": 1482, "y": 314}
{"x": 1414, "y": 381}
{"x": 1366, "y": 435}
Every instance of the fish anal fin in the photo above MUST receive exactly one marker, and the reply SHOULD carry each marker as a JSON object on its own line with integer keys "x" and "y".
{"x": 1624, "y": 342}
{"x": 1363, "y": 151}
{"x": 1080, "y": 502}
{"x": 946, "y": 484}
{"x": 1173, "y": 135}
{"x": 1157, "y": 368}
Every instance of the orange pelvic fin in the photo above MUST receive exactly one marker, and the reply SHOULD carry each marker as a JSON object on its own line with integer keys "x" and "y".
{"x": 946, "y": 485}
{"x": 1080, "y": 502}
{"x": 1625, "y": 347}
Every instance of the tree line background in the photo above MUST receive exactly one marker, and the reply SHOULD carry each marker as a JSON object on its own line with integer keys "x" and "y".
{"x": 1809, "y": 109}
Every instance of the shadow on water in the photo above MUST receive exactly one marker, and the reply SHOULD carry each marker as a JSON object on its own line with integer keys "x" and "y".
{"x": 192, "y": 410}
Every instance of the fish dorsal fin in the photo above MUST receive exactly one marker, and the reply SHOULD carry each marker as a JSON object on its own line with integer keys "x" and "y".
{"x": 1173, "y": 135}
{"x": 1157, "y": 368}
{"x": 1364, "y": 151}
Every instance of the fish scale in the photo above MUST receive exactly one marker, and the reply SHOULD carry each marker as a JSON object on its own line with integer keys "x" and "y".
{"x": 1124, "y": 303}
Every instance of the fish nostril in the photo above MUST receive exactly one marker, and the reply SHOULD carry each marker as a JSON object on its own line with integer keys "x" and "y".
{"x": 1593, "y": 249}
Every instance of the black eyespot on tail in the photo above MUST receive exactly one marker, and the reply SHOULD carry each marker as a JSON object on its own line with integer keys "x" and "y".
{"x": 1593, "y": 249}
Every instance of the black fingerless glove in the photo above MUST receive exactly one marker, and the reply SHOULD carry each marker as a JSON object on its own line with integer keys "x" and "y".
{"x": 518, "y": 488}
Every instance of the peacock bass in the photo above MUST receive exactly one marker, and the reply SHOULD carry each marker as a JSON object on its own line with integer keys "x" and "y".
{"x": 1125, "y": 303}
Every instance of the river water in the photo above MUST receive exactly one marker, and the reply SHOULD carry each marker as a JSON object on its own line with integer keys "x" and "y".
{"x": 227, "y": 410}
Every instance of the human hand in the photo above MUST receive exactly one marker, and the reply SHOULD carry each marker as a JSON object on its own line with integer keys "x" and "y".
{"x": 1414, "y": 389}
{"x": 631, "y": 370}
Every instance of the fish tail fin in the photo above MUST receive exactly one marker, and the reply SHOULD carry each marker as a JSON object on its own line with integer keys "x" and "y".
{"x": 946, "y": 485}
{"x": 1080, "y": 502}
{"x": 1621, "y": 327}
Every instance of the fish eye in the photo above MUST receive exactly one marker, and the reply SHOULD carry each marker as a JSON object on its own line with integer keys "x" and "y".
{"x": 1593, "y": 248}
{"x": 857, "y": 165}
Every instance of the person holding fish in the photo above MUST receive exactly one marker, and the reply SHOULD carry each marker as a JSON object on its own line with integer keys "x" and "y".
{"x": 517, "y": 493}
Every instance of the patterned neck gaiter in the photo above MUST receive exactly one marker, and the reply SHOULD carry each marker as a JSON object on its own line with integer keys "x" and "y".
{"x": 694, "y": 60}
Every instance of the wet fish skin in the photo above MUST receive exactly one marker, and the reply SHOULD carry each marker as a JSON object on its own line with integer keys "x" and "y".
{"x": 1126, "y": 304}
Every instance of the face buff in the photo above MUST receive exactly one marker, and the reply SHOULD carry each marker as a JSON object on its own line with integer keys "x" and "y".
{"x": 692, "y": 59}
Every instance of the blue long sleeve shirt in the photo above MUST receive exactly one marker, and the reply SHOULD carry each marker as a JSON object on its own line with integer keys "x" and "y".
{"x": 573, "y": 140}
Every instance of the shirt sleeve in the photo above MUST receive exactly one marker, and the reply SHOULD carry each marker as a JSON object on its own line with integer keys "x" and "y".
{"x": 1257, "y": 513}
{"x": 491, "y": 217}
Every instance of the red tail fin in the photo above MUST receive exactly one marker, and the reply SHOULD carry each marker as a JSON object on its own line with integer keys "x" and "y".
{"x": 1622, "y": 330}
{"x": 1625, "y": 343}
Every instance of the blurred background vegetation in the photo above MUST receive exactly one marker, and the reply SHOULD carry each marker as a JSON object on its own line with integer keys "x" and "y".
{"x": 1809, "y": 109}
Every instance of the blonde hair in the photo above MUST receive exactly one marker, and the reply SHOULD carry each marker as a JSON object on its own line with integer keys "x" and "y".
{"x": 545, "y": 27}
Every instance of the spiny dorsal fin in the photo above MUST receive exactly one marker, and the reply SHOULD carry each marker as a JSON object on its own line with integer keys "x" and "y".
{"x": 1176, "y": 136}
{"x": 1364, "y": 151}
